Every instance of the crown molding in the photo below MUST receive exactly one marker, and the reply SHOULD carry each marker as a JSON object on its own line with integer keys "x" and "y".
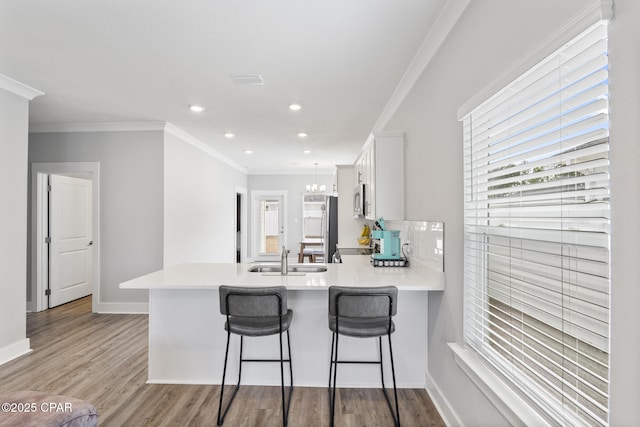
{"x": 606, "y": 10}
{"x": 190, "y": 139}
{"x": 299, "y": 172}
{"x": 388, "y": 134}
{"x": 97, "y": 127}
{"x": 443, "y": 25}
{"x": 21, "y": 89}
{"x": 134, "y": 127}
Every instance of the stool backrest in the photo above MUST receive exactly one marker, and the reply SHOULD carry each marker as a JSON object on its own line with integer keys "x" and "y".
{"x": 351, "y": 301}
{"x": 253, "y": 302}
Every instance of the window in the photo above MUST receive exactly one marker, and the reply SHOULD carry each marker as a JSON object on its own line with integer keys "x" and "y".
{"x": 536, "y": 234}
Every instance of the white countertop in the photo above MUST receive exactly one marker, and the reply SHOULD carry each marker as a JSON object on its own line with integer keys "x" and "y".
{"x": 357, "y": 271}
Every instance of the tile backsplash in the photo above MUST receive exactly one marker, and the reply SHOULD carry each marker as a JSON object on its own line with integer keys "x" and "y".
{"x": 426, "y": 241}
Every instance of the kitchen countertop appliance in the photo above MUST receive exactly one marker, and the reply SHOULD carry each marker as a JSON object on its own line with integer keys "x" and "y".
{"x": 390, "y": 254}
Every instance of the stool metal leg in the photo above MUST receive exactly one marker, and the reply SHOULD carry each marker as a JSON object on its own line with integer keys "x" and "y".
{"x": 395, "y": 390}
{"x": 381, "y": 365}
{"x": 334, "y": 362}
{"x": 334, "y": 365}
{"x": 290, "y": 362}
{"x": 290, "y": 374}
{"x": 285, "y": 408}
{"x": 224, "y": 373}
{"x": 331, "y": 364}
{"x": 395, "y": 415}
{"x": 333, "y": 340}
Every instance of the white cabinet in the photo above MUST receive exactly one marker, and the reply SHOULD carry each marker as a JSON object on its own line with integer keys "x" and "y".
{"x": 380, "y": 167}
{"x": 348, "y": 228}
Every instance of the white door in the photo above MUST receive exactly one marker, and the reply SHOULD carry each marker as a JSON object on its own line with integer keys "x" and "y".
{"x": 269, "y": 222}
{"x": 70, "y": 250}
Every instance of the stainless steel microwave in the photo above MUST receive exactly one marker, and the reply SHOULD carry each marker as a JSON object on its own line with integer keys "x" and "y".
{"x": 359, "y": 203}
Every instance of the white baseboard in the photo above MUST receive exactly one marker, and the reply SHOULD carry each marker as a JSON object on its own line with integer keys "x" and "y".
{"x": 194, "y": 382}
{"x": 122, "y": 308}
{"x": 31, "y": 307}
{"x": 14, "y": 350}
{"x": 441, "y": 403}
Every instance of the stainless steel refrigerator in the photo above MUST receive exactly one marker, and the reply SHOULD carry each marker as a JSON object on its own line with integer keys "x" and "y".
{"x": 320, "y": 216}
{"x": 331, "y": 228}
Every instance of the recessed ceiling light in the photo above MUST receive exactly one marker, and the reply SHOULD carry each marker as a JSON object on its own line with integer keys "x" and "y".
{"x": 306, "y": 151}
{"x": 248, "y": 151}
{"x": 196, "y": 108}
{"x": 295, "y": 107}
{"x": 229, "y": 135}
{"x": 302, "y": 135}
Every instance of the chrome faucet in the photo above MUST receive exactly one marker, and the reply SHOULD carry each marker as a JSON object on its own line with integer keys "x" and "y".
{"x": 284, "y": 263}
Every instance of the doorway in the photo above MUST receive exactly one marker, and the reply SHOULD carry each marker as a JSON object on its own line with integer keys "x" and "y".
{"x": 269, "y": 216}
{"x": 65, "y": 237}
{"x": 241, "y": 225}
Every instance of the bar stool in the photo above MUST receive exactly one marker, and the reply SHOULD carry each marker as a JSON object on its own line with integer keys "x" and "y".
{"x": 256, "y": 312}
{"x": 362, "y": 312}
{"x": 308, "y": 252}
{"x": 318, "y": 253}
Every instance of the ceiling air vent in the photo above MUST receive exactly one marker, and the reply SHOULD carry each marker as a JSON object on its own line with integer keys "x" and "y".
{"x": 246, "y": 79}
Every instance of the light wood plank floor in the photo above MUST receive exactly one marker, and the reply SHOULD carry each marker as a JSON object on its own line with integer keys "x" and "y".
{"x": 102, "y": 358}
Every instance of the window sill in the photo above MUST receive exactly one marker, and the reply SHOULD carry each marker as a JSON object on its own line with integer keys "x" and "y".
{"x": 515, "y": 410}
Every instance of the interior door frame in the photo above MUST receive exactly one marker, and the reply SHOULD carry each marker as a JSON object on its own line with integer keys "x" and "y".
{"x": 255, "y": 217}
{"x": 38, "y": 253}
{"x": 244, "y": 241}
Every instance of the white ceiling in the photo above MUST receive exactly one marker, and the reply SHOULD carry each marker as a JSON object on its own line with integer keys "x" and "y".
{"x": 148, "y": 60}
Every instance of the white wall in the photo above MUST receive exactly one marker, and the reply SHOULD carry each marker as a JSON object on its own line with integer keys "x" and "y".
{"x": 294, "y": 185}
{"x": 624, "y": 63}
{"x": 131, "y": 204}
{"x": 490, "y": 38}
{"x": 14, "y": 115}
{"x": 199, "y": 205}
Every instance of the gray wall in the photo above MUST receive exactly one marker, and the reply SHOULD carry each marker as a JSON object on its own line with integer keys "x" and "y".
{"x": 131, "y": 205}
{"x": 491, "y": 37}
{"x": 14, "y": 115}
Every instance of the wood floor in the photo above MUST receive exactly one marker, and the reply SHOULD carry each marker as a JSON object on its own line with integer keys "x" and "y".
{"x": 102, "y": 358}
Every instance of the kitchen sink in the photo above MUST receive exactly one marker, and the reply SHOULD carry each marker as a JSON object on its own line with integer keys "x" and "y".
{"x": 298, "y": 268}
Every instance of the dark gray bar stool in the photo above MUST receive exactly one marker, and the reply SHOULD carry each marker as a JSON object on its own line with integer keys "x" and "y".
{"x": 362, "y": 312}
{"x": 256, "y": 312}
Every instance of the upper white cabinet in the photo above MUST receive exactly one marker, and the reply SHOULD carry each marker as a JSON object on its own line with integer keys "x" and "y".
{"x": 380, "y": 167}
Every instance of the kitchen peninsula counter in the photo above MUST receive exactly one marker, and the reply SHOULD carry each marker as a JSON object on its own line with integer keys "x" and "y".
{"x": 187, "y": 337}
{"x": 358, "y": 271}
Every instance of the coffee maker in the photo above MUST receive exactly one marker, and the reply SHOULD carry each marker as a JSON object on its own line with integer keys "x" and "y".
{"x": 390, "y": 253}
{"x": 389, "y": 244}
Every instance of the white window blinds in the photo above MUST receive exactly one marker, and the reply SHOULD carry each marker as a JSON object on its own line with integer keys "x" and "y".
{"x": 537, "y": 226}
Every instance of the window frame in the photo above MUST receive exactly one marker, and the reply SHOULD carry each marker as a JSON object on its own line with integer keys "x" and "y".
{"x": 474, "y": 315}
